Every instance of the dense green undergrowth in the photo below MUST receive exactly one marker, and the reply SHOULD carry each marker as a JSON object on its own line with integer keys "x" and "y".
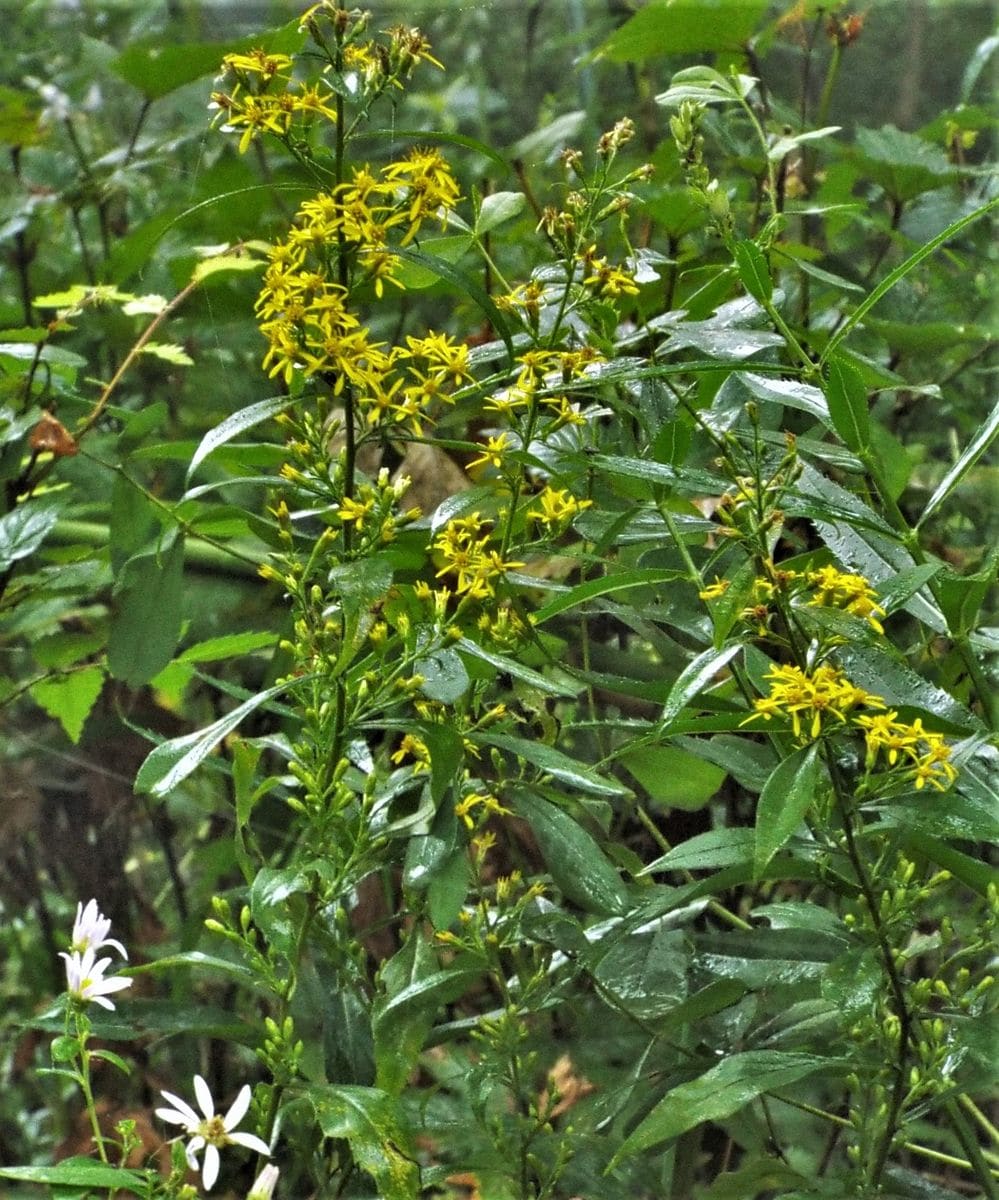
{"x": 505, "y": 630}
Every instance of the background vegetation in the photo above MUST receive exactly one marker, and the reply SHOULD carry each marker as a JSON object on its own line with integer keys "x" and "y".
{"x": 599, "y": 931}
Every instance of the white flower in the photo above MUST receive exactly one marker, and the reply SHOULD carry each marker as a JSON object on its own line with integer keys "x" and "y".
{"x": 210, "y": 1131}
{"x": 85, "y": 977}
{"x": 91, "y": 929}
{"x": 263, "y": 1188}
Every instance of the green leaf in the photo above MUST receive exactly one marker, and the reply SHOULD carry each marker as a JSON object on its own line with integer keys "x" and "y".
{"x": 510, "y": 666}
{"x": 900, "y": 272}
{"x": 146, "y": 621}
{"x": 707, "y": 851}
{"x": 230, "y": 645}
{"x": 169, "y": 352}
{"x": 705, "y": 85}
{"x": 791, "y": 141}
{"x": 69, "y": 698}
{"x": 576, "y": 862}
{"x": 371, "y": 1121}
{"x": 616, "y": 582}
{"x": 904, "y": 164}
{"x": 81, "y": 1172}
{"x": 673, "y": 777}
{"x": 695, "y": 677}
{"x": 157, "y": 68}
{"x": 498, "y": 207}
{"x": 444, "y": 676}
{"x": 847, "y": 398}
{"x": 718, "y": 1094}
{"x": 25, "y": 527}
{"x": 753, "y": 270}
{"x": 402, "y": 1019}
{"x": 687, "y": 27}
{"x": 465, "y": 283}
{"x": 553, "y": 762}
{"x": 234, "y": 425}
{"x": 166, "y": 767}
{"x": 786, "y": 797}
{"x": 970, "y": 455}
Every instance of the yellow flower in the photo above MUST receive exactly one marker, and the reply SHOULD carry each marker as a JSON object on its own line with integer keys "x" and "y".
{"x": 412, "y": 748}
{"x": 493, "y": 453}
{"x": 558, "y": 507}
{"x": 825, "y": 693}
{"x": 477, "y": 800}
{"x": 853, "y": 593}
{"x": 716, "y": 590}
{"x": 354, "y": 510}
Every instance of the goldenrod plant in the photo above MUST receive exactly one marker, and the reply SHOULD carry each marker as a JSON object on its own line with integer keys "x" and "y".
{"x": 581, "y": 782}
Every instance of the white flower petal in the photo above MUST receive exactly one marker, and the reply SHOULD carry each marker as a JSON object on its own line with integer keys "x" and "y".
{"x": 184, "y": 1114}
{"x": 191, "y": 1152}
{"x": 95, "y": 999}
{"x": 204, "y": 1095}
{"x": 210, "y": 1171}
{"x": 251, "y": 1142}
{"x": 237, "y": 1110}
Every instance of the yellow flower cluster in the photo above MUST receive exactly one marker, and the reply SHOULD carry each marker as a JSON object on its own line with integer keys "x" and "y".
{"x": 463, "y": 546}
{"x": 302, "y": 307}
{"x": 813, "y": 700}
{"x": 852, "y": 593}
{"x": 926, "y": 753}
{"x": 487, "y": 805}
{"x": 263, "y": 98}
{"x": 557, "y": 508}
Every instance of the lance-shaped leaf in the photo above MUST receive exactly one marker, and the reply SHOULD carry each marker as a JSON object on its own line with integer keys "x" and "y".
{"x": 753, "y": 270}
{"x": 718, "y": 1094}
{"x": 972, "y": 452}
{"x": 694, "y": 678}
{"x": 234, "y": 425}
{"x": 171, "y": 762}
{"x": 786, "y": 797}
{"x": 847, "y": 399}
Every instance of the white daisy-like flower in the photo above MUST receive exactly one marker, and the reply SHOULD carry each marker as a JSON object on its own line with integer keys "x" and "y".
{"x": 208, "y": 1130}
{"x": 85, "y": 979}
{"x": 91, "y": 929}
{"x": 263, "y": 1187}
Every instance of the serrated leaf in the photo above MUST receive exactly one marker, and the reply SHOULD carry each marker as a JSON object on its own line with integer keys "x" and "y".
{"x": 576, "y": 862}
{"x": 695, "y": 677}
{"x": 234, "y": 425}
{"x": 370, "y": 1121}
{"x": 69, "y": 698}
{"x": 718, "y": 1094}
{"x": 169, "y": 352}
{"x": 847, "y": 399}
{"x": 786, "y": 797}
{"x": 171, "y": 762}
{"x": 25, "y": 527}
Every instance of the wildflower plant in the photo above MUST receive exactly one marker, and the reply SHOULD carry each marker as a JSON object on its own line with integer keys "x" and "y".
{"x": 601, "y": 816}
